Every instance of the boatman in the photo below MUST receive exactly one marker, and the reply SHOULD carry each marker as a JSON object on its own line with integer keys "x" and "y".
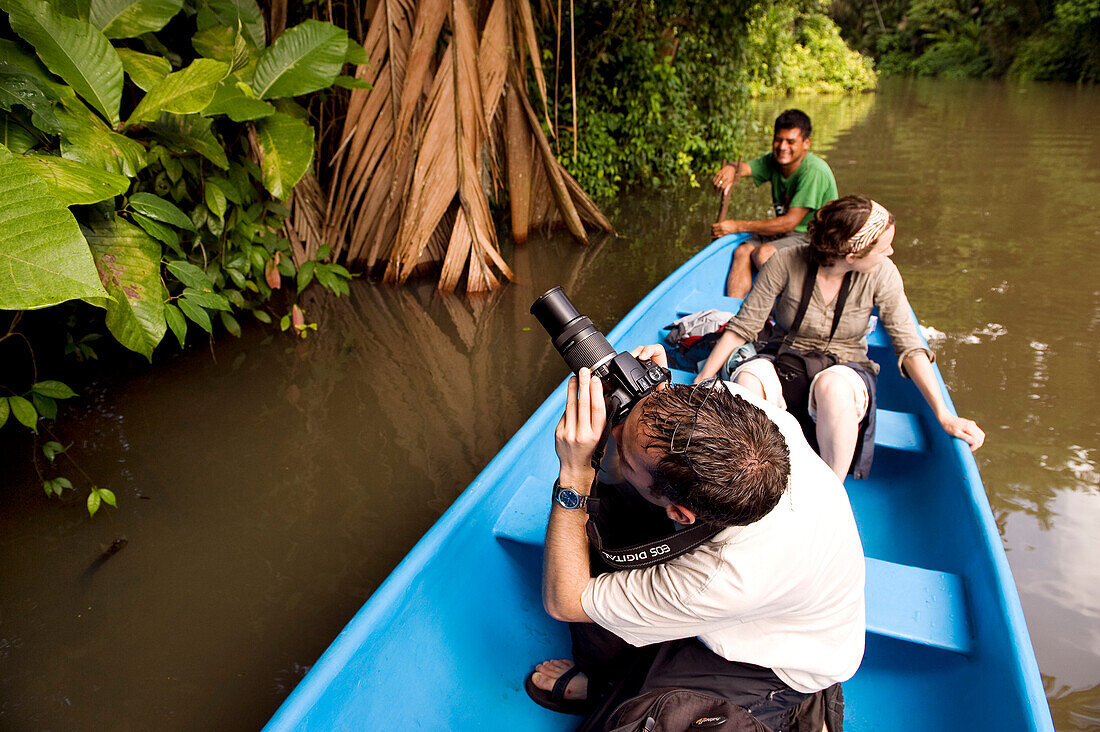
{"x": 801, "y": 183}
{"x": 765, "y": 612}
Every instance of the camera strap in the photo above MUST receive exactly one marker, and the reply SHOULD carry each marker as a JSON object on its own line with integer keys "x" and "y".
{"x": 652, "y": 552}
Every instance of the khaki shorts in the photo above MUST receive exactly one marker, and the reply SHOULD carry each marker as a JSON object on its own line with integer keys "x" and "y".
{"x": 764, "y": 370}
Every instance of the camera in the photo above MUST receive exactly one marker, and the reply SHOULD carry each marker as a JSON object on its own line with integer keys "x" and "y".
{"x": 625, "y": 379}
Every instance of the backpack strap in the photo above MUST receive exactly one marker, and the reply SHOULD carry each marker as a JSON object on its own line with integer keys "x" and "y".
{"x": 807, "y": 293}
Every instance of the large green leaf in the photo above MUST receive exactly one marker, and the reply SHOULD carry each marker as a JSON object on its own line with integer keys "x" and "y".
{"x": 44, "y": 259}
{"x": 145, "y": 69}
{"x": 129, "y": 264}
{"x": 73, "y": 49}
{"x": 231, "y": 100}
{"x": 131, "y": 18}
{"x": 86, "y": 139}
{"x": 77, "y": 183}
{"x": 21, "y": 88}
{"x": 185, "y": 92}
{"x": 189, "y": 134}
{"x": 286, "y": 146}
{"x": 305, "y": 58}
{"x": 245, "y": 14}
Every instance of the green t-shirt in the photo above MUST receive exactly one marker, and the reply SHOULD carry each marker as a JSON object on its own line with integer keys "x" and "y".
{"x": 811, "y": 186}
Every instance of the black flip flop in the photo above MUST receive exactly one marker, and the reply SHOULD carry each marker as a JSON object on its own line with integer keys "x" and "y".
{"x": 555, "y": 700}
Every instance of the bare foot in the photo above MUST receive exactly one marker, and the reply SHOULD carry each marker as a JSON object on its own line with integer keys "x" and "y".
{"x": 548, "y": 672}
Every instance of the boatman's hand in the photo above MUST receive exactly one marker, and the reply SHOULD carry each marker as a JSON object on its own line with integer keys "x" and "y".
{"x": 729, "y": 226}
{"x": 580, "y": 428}
{"x": 723, "y": 179}
{"x": 964, "y": 429}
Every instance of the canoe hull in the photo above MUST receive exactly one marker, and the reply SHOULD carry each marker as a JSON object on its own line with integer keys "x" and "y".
{"x": 447, "y": 640}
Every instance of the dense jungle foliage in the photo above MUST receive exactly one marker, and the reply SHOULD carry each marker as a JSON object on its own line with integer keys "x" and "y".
{"x": 1021, "y": 39}
{"x": 663, "y": 86}
{"x": 146, "y": 152}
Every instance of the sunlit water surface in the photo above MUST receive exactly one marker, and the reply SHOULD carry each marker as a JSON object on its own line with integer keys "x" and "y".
{"x": 267, "y": 486}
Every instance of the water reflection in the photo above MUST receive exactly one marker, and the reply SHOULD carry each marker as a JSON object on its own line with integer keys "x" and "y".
{"x": 268, "y": 485}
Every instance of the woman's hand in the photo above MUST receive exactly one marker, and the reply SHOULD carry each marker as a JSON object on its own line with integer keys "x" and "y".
{"x": 580, "y": 428}
{"x": 964, "y": 429}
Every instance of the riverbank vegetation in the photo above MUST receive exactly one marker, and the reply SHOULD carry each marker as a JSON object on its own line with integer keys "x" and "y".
{"x": 172, "y": 170}
{"x": 1055, "y": 40}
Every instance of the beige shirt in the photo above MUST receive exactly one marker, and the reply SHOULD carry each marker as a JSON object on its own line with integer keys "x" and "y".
{"x": 779, "y": 285}
{"x": 785, "y": 592}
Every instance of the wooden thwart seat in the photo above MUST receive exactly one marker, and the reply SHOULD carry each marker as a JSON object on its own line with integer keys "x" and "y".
{"x": 908, "y": 603}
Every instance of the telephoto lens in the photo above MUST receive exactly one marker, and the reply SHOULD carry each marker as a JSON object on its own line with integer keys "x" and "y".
{"x": 573, "y": 335}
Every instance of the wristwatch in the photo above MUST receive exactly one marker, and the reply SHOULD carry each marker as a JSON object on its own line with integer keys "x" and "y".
{"x": 568, "y": 498}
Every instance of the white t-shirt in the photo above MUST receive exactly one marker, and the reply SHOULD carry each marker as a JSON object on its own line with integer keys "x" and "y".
{"x": 785, "y": 592}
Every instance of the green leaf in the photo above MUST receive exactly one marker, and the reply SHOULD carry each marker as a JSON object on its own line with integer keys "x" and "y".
{"x": 24, "y": 412}
{"x": 47, "y": 485}
{"x": 53, "y": 389}
{"x": 351, "y": 82}
{"x": 44, "y": 259}
{"x": 191, "y": 275}
{"x": 52, "y": 449}
{"x": 233, "y": 13}
{"x": 132, "y": 18}
{"x": 144, "y": 69}
{"x": 46, "y": 407}
{"x": 87, "y": 139}
{"x": 176, "y": 322}
{"x": 93, "y": 502}
{"x": 284, "y": 322}
{"x": 356, "y": 53}
{"x": 4, "y": 409}
{"x": 22, "y": 88}
{"x": 286, "y": 146}
{"x": 15, "y": 136}
{"x": 215, "y": 200}
{"x": 303, "y": 59}
{"x": 62, "y": 483}
{"x": 190, "y": 133}
{"x": 129, "y": 264}
{"x": 158, "y": 231}
{"x": 108, "y": 497}
{"x": 230, "y": 324}
{"x": 196, "y": 314}
{"x": 73, "y": 49}
{"x": 305, "y": 275}
{"x": 157, "y": 208}
{"x": 210, "y": 300}
{"x": 77, "y": 183}
{"x": 185, "y": 92}
{"x": 231, "y": 100}
{"x": 260, "y": 316}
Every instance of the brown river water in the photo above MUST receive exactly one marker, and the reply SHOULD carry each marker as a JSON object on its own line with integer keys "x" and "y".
{"x": 267, "y": 486}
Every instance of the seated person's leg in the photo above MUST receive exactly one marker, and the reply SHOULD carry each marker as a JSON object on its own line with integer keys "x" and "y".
{"x": 765, "y": 252}
{"x": 838, "y": 402}
{"x": 739, "y": 278}
{"x": 758, "y": 376}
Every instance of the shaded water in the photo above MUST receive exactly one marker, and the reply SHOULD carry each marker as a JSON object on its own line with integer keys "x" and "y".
{"x": 267, "y": 487}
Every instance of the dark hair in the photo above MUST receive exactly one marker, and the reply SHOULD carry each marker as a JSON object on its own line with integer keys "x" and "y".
{"x": 736, "y": 466}
{"x": 834, "y": 224}
{"x": 794, "y": 119}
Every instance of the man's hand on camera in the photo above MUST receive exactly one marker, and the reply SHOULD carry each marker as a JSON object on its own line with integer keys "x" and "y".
{"x": 579, "y": 429}
{"x": 655, "y": 353}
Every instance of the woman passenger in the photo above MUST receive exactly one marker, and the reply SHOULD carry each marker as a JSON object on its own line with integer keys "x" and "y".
{"x": 850, "y": 236}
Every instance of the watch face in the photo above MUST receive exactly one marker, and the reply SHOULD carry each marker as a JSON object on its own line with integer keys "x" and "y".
{"x": 568, "y": 498}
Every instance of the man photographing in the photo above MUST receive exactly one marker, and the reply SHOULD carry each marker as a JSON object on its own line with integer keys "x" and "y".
{"x": 766, "y": 612}
{"x": 801, "y": 183}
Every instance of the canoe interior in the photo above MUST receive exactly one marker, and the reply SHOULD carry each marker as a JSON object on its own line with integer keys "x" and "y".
{"x": 447, "y": 640}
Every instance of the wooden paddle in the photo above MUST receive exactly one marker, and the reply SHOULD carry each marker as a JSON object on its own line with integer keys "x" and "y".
{"x": 726, "y": 196}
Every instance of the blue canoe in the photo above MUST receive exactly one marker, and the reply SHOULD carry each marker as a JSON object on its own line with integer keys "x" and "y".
{"x": 447, "y": 640}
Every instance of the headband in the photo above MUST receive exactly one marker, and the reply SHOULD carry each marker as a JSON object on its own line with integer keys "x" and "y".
{"x": 877, "y": 222}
